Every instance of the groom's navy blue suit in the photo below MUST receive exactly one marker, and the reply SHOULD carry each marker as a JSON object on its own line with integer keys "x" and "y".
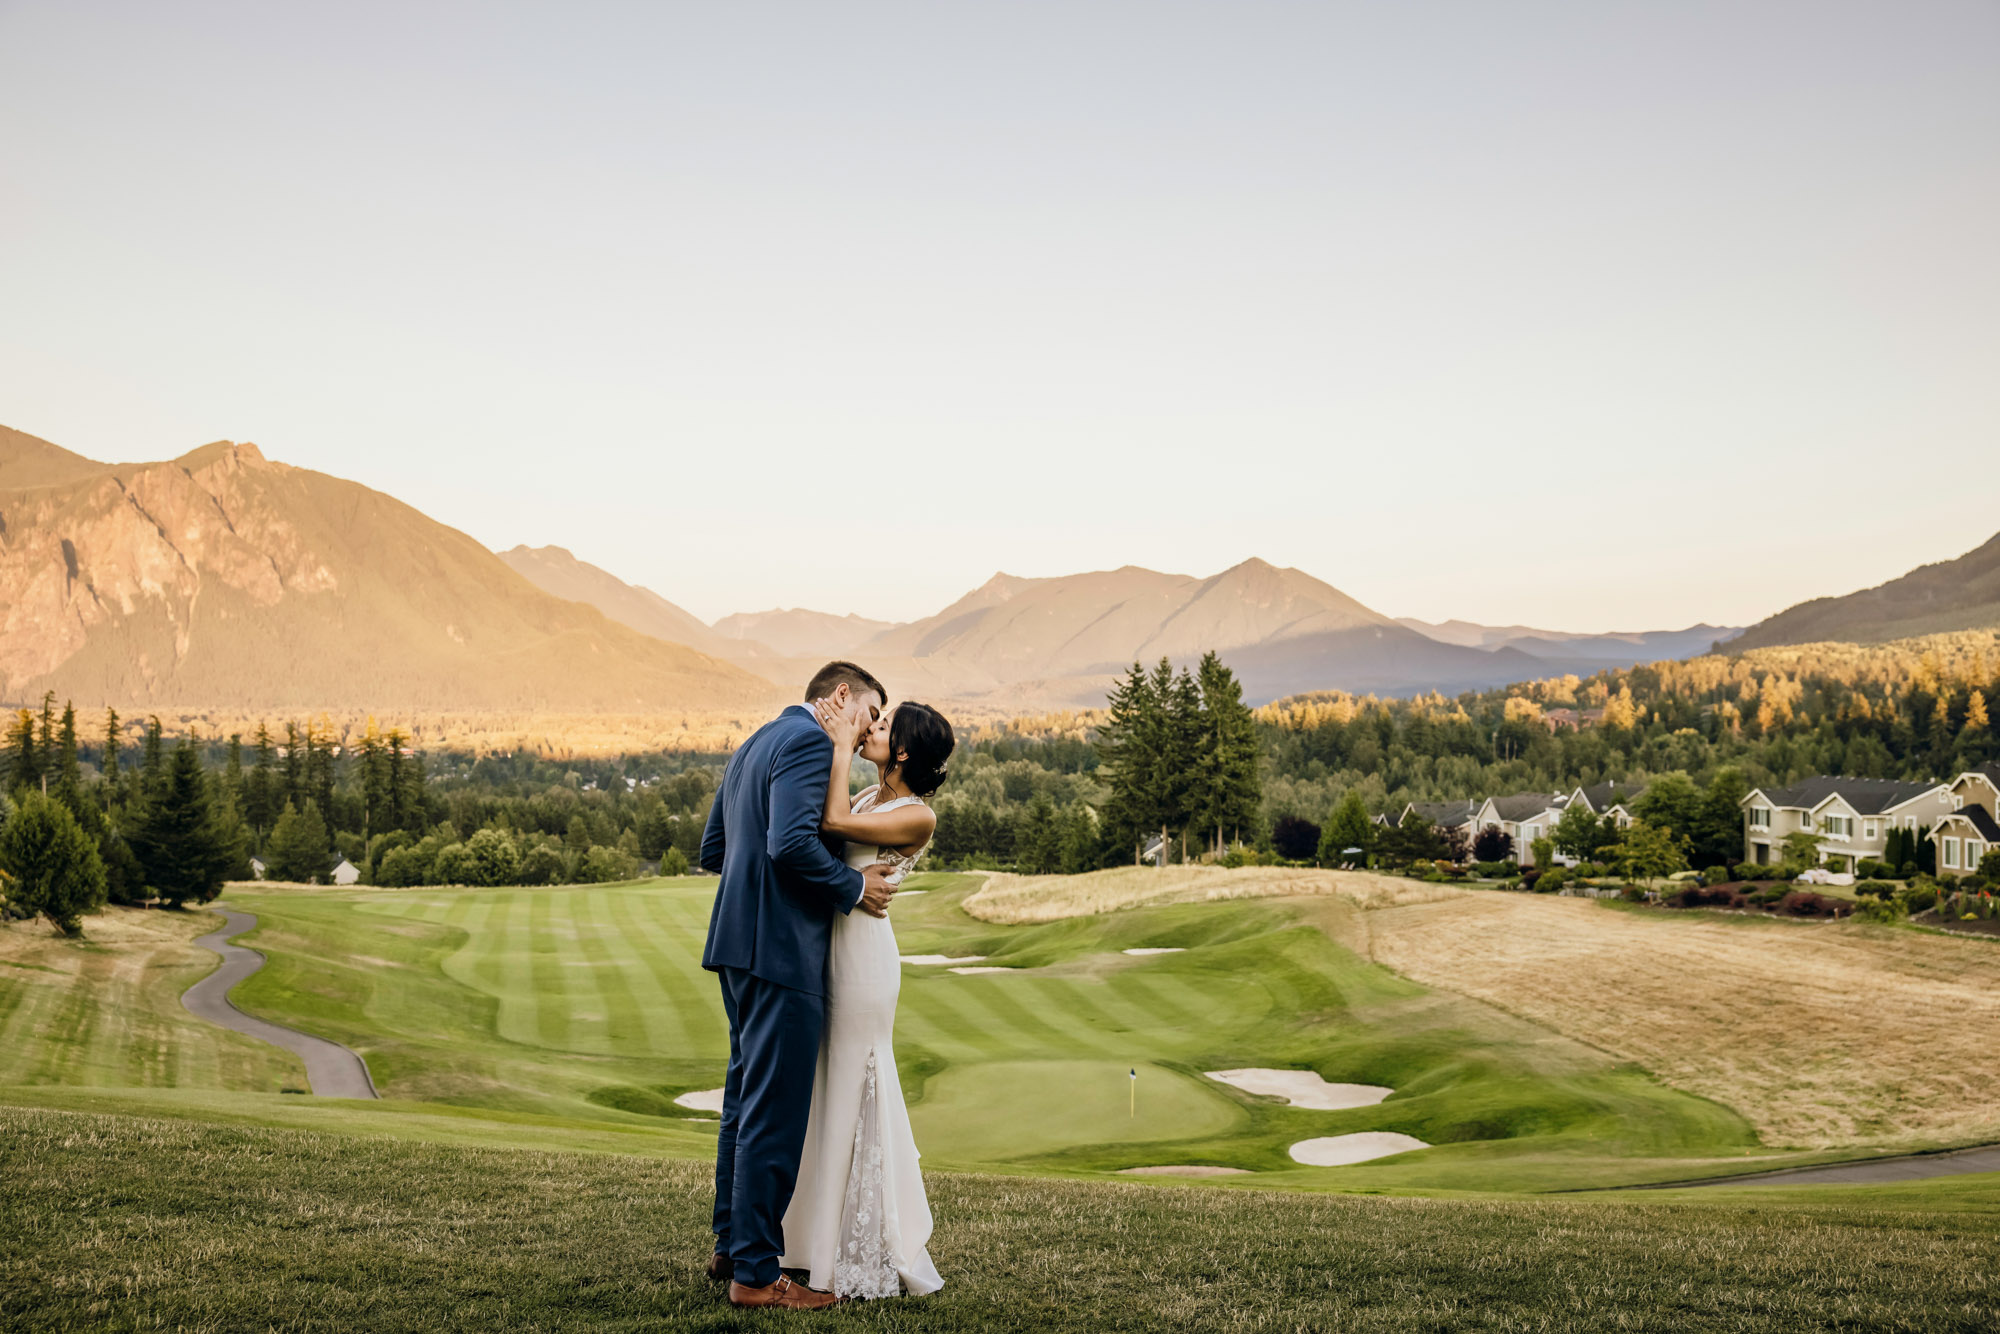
{"x": 767, "y": 938}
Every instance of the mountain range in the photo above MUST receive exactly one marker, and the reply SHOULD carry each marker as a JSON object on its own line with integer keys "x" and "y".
{"x": 1961, "y": 594}
{"x": 220, "y": 577}
{"x": 224, "y": 578}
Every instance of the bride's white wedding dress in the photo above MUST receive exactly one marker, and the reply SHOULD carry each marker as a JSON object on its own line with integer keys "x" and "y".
{"x": 859, "y": 1220}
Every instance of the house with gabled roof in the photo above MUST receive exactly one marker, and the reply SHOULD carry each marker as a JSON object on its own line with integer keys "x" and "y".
{"x": 1609, "y": 800}
{"x": 1524, "y": 817}
{"x": 1440, "y": 814}
{"x": 1971, "y": 829}
{"x": 1850, "y": 817}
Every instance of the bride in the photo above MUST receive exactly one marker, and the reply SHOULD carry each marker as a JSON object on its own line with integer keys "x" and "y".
{"x": 859, "y": 1220}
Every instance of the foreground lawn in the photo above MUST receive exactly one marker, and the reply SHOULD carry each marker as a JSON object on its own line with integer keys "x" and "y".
{"x": 588, "y": 1003}
{"x": 110, "y": 1222}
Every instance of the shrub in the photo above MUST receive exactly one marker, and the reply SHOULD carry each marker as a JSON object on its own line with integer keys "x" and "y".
{"x": 1551, "y": 880}
{"x": 1805, "y": 903}
{"x": 1632, "y": 894}
{"x": 675, "y": 862}
{"x": 1880, "y": 889}
{"x": 55, "y": 866}
{"x": 1885, "y": 910}
{"x": 1768, "y": 895}
{"x": 1716, "y": 875}
{"x": 1908, "y": 871}
{"x": 605, "y": 863}
{"x": 1295, "y": 839}
{"x": 1590, "y": 870}
{"x": 1751, "y": 871}
{"x": 1492, "y": 870}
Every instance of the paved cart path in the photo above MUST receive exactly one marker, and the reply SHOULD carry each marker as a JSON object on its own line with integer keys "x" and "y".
{"x": 1914, "y": 1167}
{"x": 333, "y": 1071}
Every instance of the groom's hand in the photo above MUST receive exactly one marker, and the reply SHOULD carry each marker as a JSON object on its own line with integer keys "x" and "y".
{"x": 876, "y": 891}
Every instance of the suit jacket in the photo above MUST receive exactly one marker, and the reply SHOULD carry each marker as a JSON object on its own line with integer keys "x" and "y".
{"x": 782, "y": 881}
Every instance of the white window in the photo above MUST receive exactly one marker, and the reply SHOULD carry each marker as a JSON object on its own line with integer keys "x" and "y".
{"x": 1760, "y": 817}
{"x": 1974, "y": 851}
{"x": 1837, "y": 826}
{"x": 1868, "y": 831}
{"x": 1951, "y": 853}
{"x": 1805, "y": 821}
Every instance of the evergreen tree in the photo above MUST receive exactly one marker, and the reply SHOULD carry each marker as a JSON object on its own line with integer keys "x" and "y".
{"x": 45, "y": 742}
{"x": 152, "y": 759}
{"x": 1348, "y": 827}
{"x": 295, "y": 767}
{"x": 262, "y": 794}
{"x": 1231, "y": 759}
{"x": 375, "y": 783}
{"x": 320, "y": 747}
{"x": 24, "y": 768}
{"x": 113, "y": 790}
{"x": 398, "y": 815}
{"x": 67, "y": 771}
{"x": 53, "y": 864}
{"x": 299, "y": 849}
{"x": 1128, "y": 745}
{"x": 183, "y": 841}
{"x": 232, "y": 771}
{"x": 1180, "y": 768}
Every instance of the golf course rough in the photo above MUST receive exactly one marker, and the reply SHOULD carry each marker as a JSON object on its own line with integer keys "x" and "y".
{"x": 588, "y": 1005}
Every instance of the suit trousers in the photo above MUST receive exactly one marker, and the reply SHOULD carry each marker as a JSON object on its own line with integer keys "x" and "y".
{"x": 774, "y": 1034}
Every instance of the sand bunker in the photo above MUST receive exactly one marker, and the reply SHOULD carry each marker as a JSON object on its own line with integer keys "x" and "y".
{"x": 1340, "y": 1150}
{"x": 969, "y": 971}
{"x": 1157, "y": 949}
{"x": 703, "y": 1100}
{"x": 1303, "y": 1088}
{"x": 942, "y": 958}
{"x": 1182, "y": 1170}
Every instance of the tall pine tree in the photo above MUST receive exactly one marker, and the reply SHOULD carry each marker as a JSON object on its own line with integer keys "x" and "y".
{"x": 182, "y": 840}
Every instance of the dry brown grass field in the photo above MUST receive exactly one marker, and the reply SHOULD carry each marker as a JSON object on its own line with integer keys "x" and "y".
{"x": 1015, "y": 900}
{"x": 1821, "y": 1034}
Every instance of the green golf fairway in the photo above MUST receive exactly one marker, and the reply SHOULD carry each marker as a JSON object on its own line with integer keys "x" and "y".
{"x": 587, "y": 1006}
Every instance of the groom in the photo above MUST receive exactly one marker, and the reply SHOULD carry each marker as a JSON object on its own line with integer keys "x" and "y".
{"x": 782, "y": 882}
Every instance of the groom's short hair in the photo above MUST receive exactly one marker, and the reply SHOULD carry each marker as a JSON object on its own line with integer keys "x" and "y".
{"x": 830, "y": 677}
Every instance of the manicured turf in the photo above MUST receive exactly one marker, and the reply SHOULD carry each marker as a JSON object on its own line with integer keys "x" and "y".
{"x": 131, "y": 1223}
{"x": 588, "y": 1005}
{"x": 107, "y": 1013}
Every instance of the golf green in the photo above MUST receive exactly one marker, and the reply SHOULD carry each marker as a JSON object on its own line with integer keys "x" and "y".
{"x": 588, "y": 1006}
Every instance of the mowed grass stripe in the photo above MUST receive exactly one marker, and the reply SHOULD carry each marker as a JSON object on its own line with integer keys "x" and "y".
{"x": 667, "y": 993}
{"x": 677, "y": 933}
{"x": 683, "y": 915}
{"x": 966, "y": 1017}
{"x": 625, "y": 1031}
{"x": 1039, "y": 1013}
{"x": 509, "y": 960}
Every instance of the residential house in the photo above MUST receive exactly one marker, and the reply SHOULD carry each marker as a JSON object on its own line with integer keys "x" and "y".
{"x": 1524, "y": 817}
{"x": 1612, "y": 801}
{"x": 1442, "y": 814}
{"x": 1851, "y": 817}
{"x": 1971, "y": 829}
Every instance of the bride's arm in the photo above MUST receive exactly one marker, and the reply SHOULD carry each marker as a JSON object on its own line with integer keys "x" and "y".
{"x": 885, "y": 829}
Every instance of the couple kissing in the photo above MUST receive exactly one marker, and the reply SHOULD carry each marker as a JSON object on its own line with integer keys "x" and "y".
{"x": 815, "y": 1164}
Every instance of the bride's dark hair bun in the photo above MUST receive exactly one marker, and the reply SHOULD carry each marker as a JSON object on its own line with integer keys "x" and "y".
{"x": 922, "y": 733}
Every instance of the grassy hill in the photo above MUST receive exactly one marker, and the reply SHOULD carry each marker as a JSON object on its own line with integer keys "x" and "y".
{"x": 123, "y": 1222}
{"x": 1962, "y": 594}
{"x": 223, "y": 579}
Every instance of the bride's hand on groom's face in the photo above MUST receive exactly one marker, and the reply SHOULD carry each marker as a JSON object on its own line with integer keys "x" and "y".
{"x": 840, "y": 724}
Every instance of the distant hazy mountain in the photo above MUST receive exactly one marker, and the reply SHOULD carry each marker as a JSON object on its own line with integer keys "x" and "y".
{"x": 223, "y": 579}
{"x": 555, "y": 570}
{"x": 1962, "y": 594}
{"x": 1283, "y": 631}
{"x": 1614, "y": 648}
{"x": 800, "y": 633}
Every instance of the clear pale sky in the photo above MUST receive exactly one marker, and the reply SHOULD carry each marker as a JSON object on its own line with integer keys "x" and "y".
{"x": 1587, "y": 315}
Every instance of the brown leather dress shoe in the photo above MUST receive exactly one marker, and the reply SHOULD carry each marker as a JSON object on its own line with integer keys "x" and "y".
{"x": 719, "y": 1267}
{"x": 784, "y": 1294}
